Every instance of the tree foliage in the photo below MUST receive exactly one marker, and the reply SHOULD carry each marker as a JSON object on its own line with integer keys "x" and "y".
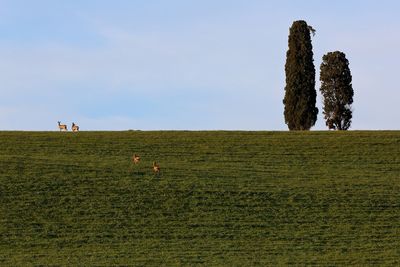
{"x": 300, "y": 94}
{"x": 337, "y": 90}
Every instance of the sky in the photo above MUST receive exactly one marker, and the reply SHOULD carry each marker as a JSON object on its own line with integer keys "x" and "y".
{"x": 186, "y": 65}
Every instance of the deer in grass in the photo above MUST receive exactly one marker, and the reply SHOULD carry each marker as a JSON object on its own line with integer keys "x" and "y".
{"x": 135, "y": 159}
{"x": 156, "y": 168}
{"x": 75, "y": 128}
{"x": 62, "y": 127}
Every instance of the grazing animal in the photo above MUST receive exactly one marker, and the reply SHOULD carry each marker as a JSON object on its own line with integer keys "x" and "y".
{"x": 156, "y": 168}
{"x": 135, "y": 159}
{"x": 62, "y": 127}
{"x": 75, "y": 128}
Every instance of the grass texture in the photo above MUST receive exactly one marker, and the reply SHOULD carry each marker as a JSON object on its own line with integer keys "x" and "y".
{"x": 221, "y": 199}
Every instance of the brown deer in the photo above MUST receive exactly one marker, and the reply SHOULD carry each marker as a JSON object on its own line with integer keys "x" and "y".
{"x": 156, "y": 168}
{"x": 135, "y": 159}
{"x": 62, "y": 127}
{"x": 75, "y": 128}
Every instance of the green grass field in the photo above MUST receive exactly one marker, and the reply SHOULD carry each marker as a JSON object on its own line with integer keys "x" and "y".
{"x": 223, "y": 198}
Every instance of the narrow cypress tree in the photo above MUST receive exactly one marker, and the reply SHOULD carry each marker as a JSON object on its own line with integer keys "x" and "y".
{"x": 300, "y": 94}
{"x": 336, "y": 90}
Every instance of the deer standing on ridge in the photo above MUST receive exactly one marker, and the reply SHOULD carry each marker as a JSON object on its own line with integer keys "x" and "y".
{"x": 75, "y": 128}
{"x": 62, "y": 127}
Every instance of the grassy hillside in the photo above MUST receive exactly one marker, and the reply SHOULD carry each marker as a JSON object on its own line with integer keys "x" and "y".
{"x": 223, "y": 198}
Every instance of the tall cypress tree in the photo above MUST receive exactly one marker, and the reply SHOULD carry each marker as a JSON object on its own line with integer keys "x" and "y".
{"x": 336, "y": 90}
{"x": 300, "y": 94}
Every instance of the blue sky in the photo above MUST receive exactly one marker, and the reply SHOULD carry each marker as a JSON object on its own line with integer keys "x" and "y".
{"x": 196, "y": 65}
